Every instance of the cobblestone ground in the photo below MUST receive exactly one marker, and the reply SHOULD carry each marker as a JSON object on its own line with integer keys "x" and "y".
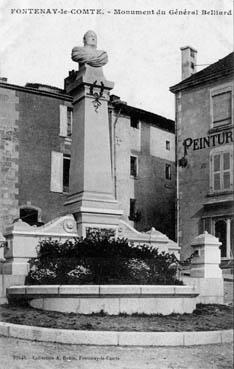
{"x": 21, "y": 354}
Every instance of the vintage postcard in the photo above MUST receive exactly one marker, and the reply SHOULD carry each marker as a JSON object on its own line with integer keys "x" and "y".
{"x": 116, "y": 183}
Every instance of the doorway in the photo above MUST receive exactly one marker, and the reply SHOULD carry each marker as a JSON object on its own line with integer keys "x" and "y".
{"x": 29, "y": 215}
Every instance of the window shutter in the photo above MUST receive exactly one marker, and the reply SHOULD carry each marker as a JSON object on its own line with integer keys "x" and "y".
{"x": 56, "y": 181}
{"x": 69, "y": 122}
{"x": 63, "y": 120}
{"x": 221, "y": 173}
{"x": 211, "y": 173}
{"x": 231, "y": 170}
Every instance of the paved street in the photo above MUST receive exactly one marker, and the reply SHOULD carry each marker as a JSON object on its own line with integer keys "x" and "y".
{"x": 21, "y": 354}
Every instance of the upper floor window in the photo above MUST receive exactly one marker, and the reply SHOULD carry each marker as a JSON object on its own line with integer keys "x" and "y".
{"x": 221, "y": 171}
{"x": 133, "y": 166}
{"x": 65, "y": 121}
{"x": 134, "y": 122}
{"x": 221, "y": 105}
{"x": 60, "y": 169}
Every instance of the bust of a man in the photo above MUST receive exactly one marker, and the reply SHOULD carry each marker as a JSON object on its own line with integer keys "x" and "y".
{"x": 88, "y": 54}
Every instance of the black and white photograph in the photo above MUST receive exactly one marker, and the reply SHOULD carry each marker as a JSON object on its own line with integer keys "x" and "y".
{"x": 116, "y": 184}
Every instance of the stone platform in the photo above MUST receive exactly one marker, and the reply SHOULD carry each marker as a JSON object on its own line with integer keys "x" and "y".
{"x": 111, "y": 299}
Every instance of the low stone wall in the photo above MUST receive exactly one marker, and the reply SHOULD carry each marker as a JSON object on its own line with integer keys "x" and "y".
{"x": 112, "y": 299}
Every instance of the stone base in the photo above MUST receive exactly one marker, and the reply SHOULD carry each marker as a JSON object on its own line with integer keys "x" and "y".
{"x": 112, "y": 299}
{"x": 87, "y": 74}
{"x": 90, "y": 219}
{"x": 116, "y": 306}
{"x": 94, "y": 211}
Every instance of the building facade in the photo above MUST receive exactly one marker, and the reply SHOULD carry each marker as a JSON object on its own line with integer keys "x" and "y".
{"x": 143, "y": 157}
{"x": 35, "y": 149}
{"x": 204, "y": 152}
{"x": 30, "y": 134}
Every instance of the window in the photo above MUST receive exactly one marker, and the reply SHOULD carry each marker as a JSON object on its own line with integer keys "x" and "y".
{"x": 168, "y": 171}
{"x": 167, "y": 145}
{"x": 221, "y": 101}
{"x": 221, "y": 170}
{"x": 132, "y": 209}
{"x": 66, "y": 171}
{"x": 133, "y": 166}
{"x": 65, "y": 121}
{"x": 60, "y": 168}
{"x": 134, "y": 122}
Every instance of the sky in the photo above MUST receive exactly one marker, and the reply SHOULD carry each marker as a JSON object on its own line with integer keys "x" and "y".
{"x": 144, "y": 50}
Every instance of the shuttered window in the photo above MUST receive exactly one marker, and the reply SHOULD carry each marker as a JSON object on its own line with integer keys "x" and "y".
{"x": 222, "y": 171}
{"x": 60, "y": 168}
{"x": 222, "y": 108}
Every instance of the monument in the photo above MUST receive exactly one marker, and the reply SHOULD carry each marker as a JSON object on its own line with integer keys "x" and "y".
{"x": 91, "y": 192}
{"x": 91, "y": 203}
{"x": 88, "y": 54}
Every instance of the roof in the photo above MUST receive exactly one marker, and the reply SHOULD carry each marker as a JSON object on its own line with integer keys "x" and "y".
{"x": 222, "y": 68}
{"x": 37, "y": 88}
{"x": 43, "y": 87}
{"x": 145, "y": 116}
{"x": 55, "y": 92}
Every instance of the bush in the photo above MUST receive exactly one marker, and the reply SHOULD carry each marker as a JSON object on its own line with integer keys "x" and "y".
{"x": 100, "y": 259}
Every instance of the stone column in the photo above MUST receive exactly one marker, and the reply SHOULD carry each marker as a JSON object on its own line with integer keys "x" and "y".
{"x": 91, "y": 198}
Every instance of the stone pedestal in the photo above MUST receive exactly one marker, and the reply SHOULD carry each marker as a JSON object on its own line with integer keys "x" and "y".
{"x": 91, "y": 197}
{"x": 205, "y": 273}
{"x": 205, "y": 263}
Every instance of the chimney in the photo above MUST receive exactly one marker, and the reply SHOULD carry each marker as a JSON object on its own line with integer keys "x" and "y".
{"x": 188, "y": 61}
